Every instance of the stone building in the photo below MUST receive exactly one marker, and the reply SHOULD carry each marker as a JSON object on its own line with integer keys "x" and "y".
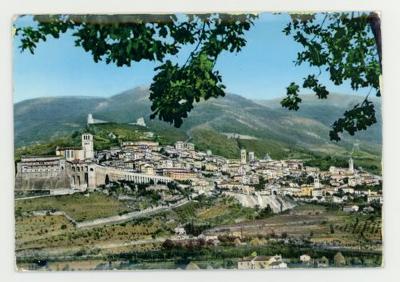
{"x": 140, "y": 145}
{"x": 179, "y": 173}
{"x": 41, "y": 173}
{"x": 180, "y": 145}
{"x": 70, "y": 153}
{"x": 87, "y": 146}
{"x": 83, "y": 153}
{"x": 56, "y": 172}
{"x": 262, "y": 262}
{"x": 41, "y": 166}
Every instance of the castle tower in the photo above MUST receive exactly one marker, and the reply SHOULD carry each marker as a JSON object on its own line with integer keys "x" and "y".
{"x": 87, "y": 146}
{"x": 243, "y": 157}
{"x": 351, "y": 165}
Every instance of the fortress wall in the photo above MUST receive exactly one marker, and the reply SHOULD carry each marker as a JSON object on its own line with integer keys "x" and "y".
{"x": 42, "y": 183}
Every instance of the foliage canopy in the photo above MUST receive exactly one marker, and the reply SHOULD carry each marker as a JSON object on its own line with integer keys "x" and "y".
{"x": 347, "y": 46}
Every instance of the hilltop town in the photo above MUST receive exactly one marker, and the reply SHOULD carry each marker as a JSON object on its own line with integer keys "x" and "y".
{"x": 153, "y": 180}
{"x": 252, "y": 181}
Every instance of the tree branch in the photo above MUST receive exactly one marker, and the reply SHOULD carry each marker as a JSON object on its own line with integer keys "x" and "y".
{"x": 198, "y": 44}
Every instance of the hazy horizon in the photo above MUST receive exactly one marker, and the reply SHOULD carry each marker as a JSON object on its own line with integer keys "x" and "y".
{"x": 147, "y": 88}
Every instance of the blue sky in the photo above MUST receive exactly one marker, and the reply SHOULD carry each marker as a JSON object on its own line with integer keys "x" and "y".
{"x": 262, "y": 70}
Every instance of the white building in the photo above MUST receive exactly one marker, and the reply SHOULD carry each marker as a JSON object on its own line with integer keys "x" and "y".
{"x": 351, "y": 165}
{"x": 180, "y": 145}
{"x": 251, "y": 156}
{"x": 140, "y": 122}
{"x": 353, "y": 208}
{"x": 92, "y": 120}
{"x": 180, "y": 231}
{"x": 317, "y": 184}
{"x": 262, "y": 262}
{"x": 305, "y": 258}
{"x": 243, "y": 157}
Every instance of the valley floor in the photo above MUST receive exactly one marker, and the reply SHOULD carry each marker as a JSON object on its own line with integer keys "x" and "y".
{"x": 220, "y": 232}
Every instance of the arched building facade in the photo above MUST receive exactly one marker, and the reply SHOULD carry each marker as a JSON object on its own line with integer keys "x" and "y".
{"x": 90, "y": 175}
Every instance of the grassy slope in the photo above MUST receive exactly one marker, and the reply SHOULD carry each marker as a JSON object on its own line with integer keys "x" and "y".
{"x": 205, "y": 139}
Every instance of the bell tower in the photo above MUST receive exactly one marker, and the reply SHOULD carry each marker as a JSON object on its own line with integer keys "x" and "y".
{"x": 243, "y": 156}
{"x": 87, "y": 146}
{"x": 351, "y": 165}
{"x": 316, "y": 182}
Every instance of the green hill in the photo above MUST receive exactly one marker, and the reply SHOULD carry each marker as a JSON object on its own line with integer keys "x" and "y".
{"x": 326, "y": 111}
{"x": 41, "y": 119}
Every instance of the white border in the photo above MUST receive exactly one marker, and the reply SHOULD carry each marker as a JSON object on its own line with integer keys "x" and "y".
{"x": 391, "y": 109}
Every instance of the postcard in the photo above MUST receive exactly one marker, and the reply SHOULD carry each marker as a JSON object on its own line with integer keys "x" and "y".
{"x": 198, "y": 141}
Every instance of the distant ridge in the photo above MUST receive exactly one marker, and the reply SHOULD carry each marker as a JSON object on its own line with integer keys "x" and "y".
{"x": 38, "y": 120}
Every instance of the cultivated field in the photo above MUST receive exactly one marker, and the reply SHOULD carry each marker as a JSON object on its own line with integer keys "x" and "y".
{"x": 58, "y": 241}
{"x": 79, "y": 206}
{"x": 315, "y": 223}
{"x": 213, "y": 212}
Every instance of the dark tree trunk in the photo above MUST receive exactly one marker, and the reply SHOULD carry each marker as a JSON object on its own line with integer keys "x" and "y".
{"x": 375, "y": 23}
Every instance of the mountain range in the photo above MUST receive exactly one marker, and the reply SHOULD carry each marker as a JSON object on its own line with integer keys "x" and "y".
{"x": 259, "y": 125}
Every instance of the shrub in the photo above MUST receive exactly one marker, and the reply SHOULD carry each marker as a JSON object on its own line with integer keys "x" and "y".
{"x": 168, "y": 244}
{"x": 339, "y": 259}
